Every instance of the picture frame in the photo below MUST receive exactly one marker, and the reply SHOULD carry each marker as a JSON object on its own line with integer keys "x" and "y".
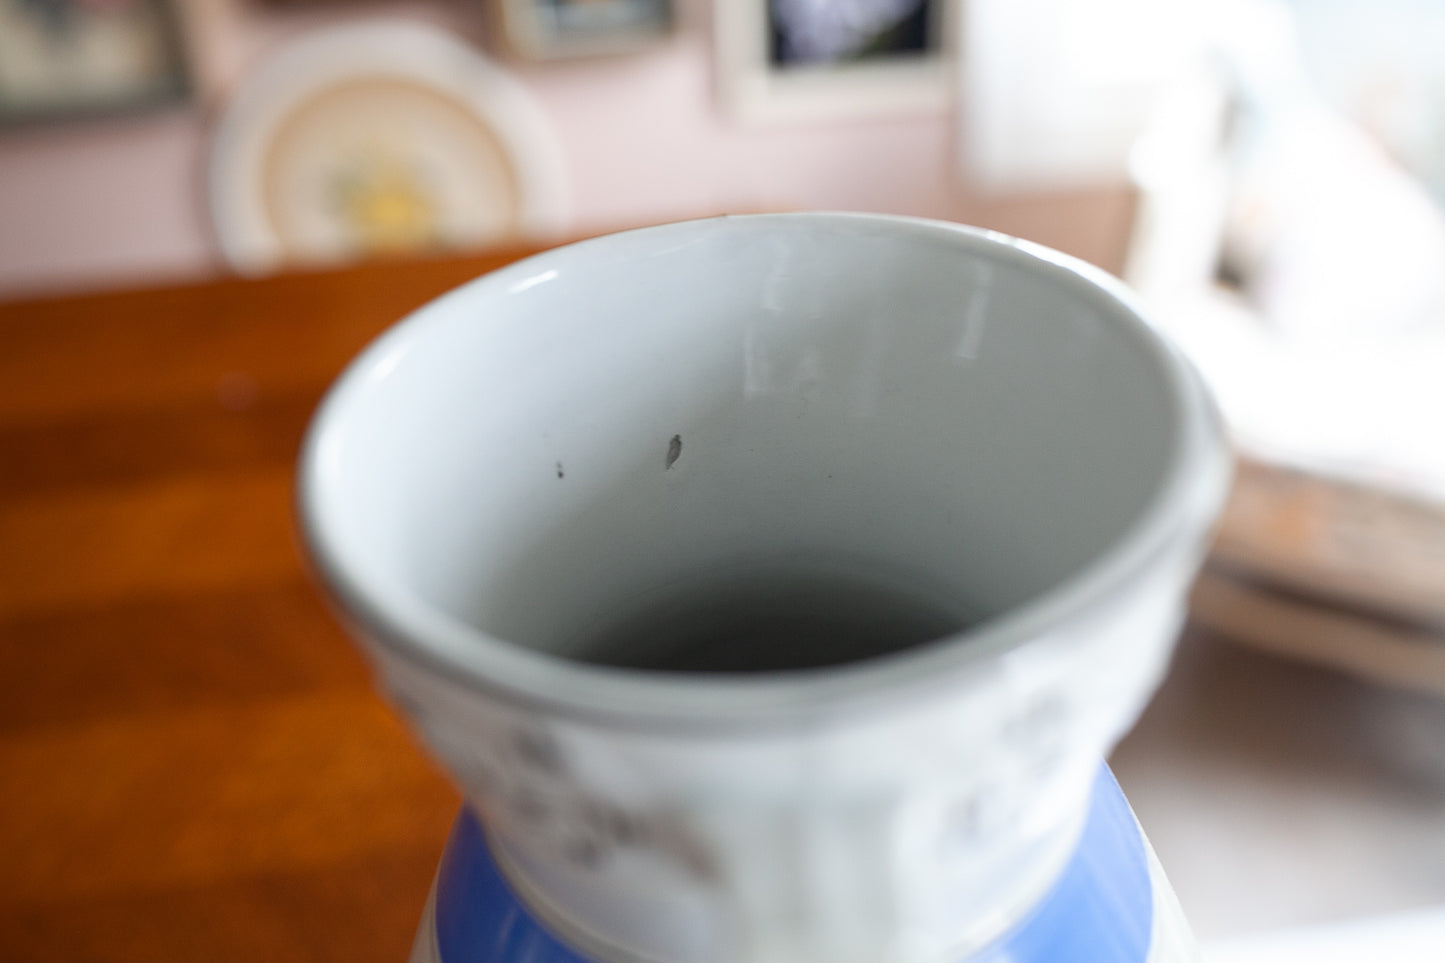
{"x": 65, "y": 59}
{"x": 775, "y": 64}
{"x": 559, "y": 29}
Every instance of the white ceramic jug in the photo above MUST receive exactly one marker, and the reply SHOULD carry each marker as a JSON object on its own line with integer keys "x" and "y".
{"x": 577, "y": 511}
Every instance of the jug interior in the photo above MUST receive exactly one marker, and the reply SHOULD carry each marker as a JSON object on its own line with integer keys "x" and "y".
{"x": 753, "y": 449}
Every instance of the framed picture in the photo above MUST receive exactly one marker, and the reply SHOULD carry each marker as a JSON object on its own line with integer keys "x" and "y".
{"x": 553, "y": 29}
{"x": 795, "y": 59}
{"x": 68, "y": 58}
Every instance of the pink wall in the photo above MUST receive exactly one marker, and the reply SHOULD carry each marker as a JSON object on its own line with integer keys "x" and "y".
{"x": 122, "y": 202}
{"x": 103, "y": 204}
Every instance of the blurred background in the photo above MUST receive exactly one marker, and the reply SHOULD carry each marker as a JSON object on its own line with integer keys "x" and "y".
{"x": 144, "y": 139}
{"x": 1268, "y": 175}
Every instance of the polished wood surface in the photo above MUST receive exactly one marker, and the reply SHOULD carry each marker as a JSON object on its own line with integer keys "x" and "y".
{"x": 193, "y": 764}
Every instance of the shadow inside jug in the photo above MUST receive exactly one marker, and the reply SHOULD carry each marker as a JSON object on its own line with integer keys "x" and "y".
{"x": 763, "y": 618}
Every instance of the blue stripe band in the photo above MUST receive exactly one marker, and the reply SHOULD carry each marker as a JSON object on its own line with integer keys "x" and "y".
{"x": 1099, "y": 911}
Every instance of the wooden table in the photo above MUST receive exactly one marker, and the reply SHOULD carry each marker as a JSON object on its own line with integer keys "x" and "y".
{"x": 193, "y": 764}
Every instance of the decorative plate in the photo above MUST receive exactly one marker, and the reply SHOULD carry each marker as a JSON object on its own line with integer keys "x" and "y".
{"x": 380, "y": 137}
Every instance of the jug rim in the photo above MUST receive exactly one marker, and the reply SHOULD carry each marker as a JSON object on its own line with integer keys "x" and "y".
{"x": 1175, "y": 520}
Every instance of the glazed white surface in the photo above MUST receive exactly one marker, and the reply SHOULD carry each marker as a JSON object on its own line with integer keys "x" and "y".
{"x": 987, "y": 422}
